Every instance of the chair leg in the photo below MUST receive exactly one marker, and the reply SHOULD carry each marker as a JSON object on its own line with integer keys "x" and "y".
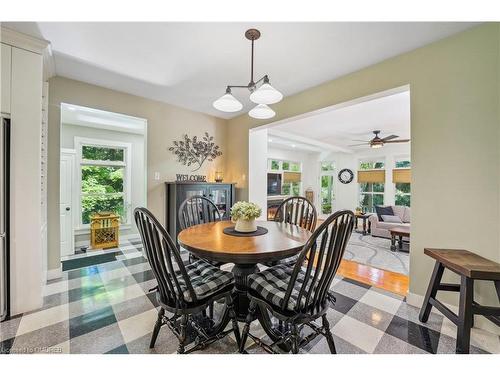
{"x": 211, "y": 310}
{"x": 157, "y": 327}
{"x": 465, "y": 315}
{"x": 182, "y": 335}
{"x": 295, "y": 339}
{"x": 232, "y": 315}
{"x": 246, "y": 328}
{"x": 328, "y": 334}
{"x": 432, "y": 290}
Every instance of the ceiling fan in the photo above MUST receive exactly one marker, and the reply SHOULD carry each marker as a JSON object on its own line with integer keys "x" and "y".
{"x": 378, "y": 142}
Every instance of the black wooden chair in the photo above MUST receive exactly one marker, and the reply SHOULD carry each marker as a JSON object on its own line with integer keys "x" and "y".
{"x": 297, "y": 211}
{"x": 298, "y": 295}
{"x": 185, "y": 290}
{"x": 198, "y": 210}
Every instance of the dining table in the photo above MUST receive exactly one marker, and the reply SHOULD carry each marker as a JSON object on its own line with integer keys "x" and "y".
{"x": 272, "y": 242}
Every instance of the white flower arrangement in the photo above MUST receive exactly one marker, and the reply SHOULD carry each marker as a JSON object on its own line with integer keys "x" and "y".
{"x": 245, "y": 211}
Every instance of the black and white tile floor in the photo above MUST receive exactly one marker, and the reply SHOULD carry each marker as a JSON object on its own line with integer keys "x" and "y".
{"x": 106, "y": 308}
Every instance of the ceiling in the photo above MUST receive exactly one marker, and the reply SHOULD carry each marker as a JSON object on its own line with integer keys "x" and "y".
{"x": 340, "y": 128}
{"x": 190, "y": 64}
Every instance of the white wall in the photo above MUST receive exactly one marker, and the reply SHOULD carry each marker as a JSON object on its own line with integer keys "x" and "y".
{"x": 138, "y": 170}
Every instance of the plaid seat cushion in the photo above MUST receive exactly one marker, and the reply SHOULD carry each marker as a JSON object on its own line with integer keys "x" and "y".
{"x": 205, "y": 279}
{"x": 272, "y": 283}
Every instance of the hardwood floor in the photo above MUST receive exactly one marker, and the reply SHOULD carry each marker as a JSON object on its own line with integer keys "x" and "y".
{"x": 391, "y": 281}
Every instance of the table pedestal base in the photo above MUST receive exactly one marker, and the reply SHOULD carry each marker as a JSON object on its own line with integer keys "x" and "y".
{"x": 241, "y": 273}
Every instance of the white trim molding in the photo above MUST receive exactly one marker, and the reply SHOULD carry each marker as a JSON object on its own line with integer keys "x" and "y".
{"x": 55, "y": 273}
{"x": 23, "y": 41}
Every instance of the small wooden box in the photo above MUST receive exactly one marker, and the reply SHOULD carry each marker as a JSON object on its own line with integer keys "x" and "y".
{"x": 104, "y": 230}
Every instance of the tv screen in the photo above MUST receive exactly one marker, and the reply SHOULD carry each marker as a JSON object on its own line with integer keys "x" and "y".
{"x": 273, "y": 184}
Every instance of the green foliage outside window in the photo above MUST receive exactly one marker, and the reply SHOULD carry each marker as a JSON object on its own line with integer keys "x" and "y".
{"x": 102, "y": 190}
{"x": 102, "y": 186}
{"x": 294, "y": 167}
{"x": 403, "y": 194}
{"x": 102, "y": 153}
{"x": 275, "y": 165}
{"x": 403, "y": 164}
{"x": 285, "y": 165}
{"x": 290, "y": 188}
{"x": 327, "y": 166}
{"x": 371, "y": 165}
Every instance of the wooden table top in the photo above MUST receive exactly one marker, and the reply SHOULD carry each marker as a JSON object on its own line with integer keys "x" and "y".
{"x": 466, "y": 263}
{"x": 208, "y": 241}
{"x": 404, "y": 231}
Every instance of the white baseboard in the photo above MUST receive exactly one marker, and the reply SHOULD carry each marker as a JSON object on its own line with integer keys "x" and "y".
{"x": 55, "y": 273}
{"x": 479, "y": 321}
{"x": 124, "y": 237}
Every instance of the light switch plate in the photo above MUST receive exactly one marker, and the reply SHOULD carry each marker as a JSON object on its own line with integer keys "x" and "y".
{"x": 157, "y": 176}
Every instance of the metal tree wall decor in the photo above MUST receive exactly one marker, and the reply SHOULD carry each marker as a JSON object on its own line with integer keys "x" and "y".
{"x": 194, "y": 151}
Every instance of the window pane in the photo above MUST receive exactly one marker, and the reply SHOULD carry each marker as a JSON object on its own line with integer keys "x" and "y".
{"x": 102, "y": 153}
{"x": 403, "y": 200}
{"x": 378, "y": 187}
{"x": 371, "y": 165}
{"x": 366, "y": 202}
{"x": 295, "y": 167}
{"x": 285, "y": 189}
{"x": 94, "y": 203}
{"x": 365, "y": 187}
{"x": 100, "y": 180}
{"x": 275, "y": 165}
{"x": 403, "y": 187}
{"x": 285, "y": 165}
{"x": 326, "y": 194}
{"x": 403, "y": 164}
{"x": 378, "y": 199}
{"x": 296, "y": 188}
{"x": 327, "y": 166}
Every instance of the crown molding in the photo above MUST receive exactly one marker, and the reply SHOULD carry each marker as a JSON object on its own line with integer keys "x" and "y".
{"x": 23, "y": 41}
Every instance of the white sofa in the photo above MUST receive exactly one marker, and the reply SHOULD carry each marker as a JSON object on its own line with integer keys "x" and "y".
{"x": 381, "y": 228}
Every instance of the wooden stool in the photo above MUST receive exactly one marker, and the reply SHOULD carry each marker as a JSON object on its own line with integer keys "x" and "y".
{"x": 470, "y": 267}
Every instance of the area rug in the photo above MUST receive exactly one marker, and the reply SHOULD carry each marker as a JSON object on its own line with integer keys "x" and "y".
{"x": 376, "y": 252}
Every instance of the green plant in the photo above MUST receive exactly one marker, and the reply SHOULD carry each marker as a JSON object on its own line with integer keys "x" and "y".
{"x": 245, "y": 211}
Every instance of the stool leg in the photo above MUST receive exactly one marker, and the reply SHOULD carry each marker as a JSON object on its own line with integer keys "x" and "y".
{"x": 432, "y": 290}
{"x": 465, "y": 314}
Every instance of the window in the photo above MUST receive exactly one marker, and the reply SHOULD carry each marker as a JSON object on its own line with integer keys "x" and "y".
{"x": 104, "y": 170}
{"x": 402, "y": 182}
{"x": 371, "y": 184}
{"x": 291, "y": 175}
{"x": 327, "y": 179}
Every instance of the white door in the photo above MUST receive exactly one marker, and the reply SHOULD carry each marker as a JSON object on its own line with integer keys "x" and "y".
{"x": 66, "y": 204}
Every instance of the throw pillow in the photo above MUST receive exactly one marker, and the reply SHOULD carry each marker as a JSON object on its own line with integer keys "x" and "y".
{"x": 391, "y": 219}
{"x": 383, "y": 211}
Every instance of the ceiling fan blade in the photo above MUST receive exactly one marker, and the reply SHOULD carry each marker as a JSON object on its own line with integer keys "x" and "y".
{"x": 389, "y": 137}
{"x": 361, "y": 140}
{"x": 360, "y": 144}
{"x": 398, "y": 141}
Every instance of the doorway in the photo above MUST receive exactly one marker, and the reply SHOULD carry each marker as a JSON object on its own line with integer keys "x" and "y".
{"x": 346, "y": 166}
{"x": 102, "y": 174}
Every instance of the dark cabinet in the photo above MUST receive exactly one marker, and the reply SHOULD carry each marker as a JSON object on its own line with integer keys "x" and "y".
{"x": 222, "y": 194}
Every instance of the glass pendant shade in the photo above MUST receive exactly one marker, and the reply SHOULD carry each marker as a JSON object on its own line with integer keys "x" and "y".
{"x": 266, "y": 94}
{"x": 262, "y": 111}
{"x": 227, "y": 103}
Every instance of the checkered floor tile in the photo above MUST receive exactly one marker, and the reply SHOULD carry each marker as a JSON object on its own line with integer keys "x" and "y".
{"x": 107, "y": 308}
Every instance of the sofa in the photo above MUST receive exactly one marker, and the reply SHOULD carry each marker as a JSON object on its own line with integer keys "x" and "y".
{"x": 381, "y": 229}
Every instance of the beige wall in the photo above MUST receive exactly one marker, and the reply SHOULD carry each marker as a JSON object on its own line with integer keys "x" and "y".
{"x": 165, "y": 123}
{"x": 455, "y": 141}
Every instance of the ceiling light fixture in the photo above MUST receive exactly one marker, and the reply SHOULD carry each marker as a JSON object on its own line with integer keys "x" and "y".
{"x": 261, "y": 95}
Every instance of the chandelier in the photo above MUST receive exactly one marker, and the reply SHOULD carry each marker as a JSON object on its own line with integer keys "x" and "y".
{"x": 261, "y": 92}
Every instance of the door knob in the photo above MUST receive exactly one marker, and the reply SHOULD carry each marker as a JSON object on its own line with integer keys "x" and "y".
{"x": 67, "y": 208}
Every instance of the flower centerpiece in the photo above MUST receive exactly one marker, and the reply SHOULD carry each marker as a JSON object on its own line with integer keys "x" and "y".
{"x": 243, "y": 214}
